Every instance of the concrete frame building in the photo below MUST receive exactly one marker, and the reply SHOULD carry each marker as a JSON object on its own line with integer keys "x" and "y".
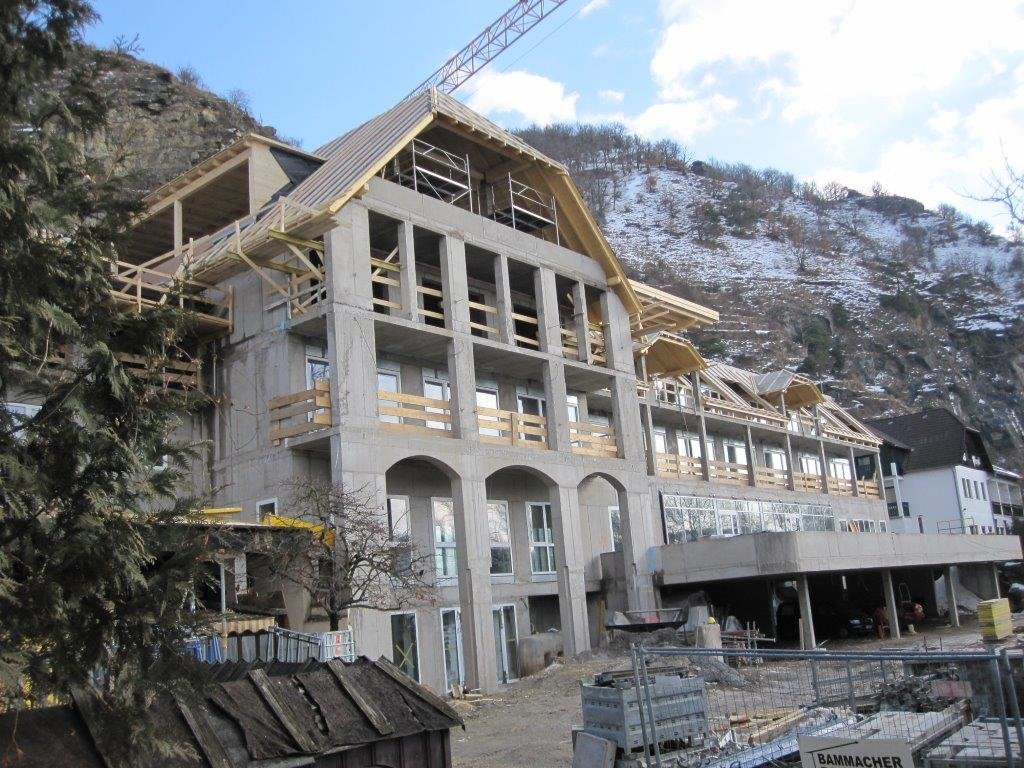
{"x": 425, "y": 308}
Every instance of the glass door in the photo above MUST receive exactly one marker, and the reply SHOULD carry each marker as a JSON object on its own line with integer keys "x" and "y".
{"x": 404, "y": 644}
{"x": 506, "y": 643}
{"x": 488, "y": 398}
{"x": 451, "y": 643}
{"x": 534, "y": 406}
{"x": 387, "y": 381}
{"x": 436, "y": 389}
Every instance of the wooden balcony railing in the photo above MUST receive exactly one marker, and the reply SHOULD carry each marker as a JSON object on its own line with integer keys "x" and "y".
{"x": 300, "y": 413}
{"x": 593, "y": 440}
{"x": 522, "y": 430}
{"x": 385, "y": 272}
{"x": 139, "y": 288}
{"x": 768, "y": 477}
{"x": 526, "y": 341}
{"x": 728, "y": 472}
{"x": 839, "y": 486}
{"x": 595, "y": 338}
{"x": 570, "y": 344}
{"x": 429, "y": 313}
{"x": 807, "y": 483}
{"x": 674, "y": 465}
{"x": 489, "y": 312}
{"x": 411, "y": 413}
{"x": 869, "y": 489}
{"x": 735, "y": 411}
{"x": 182, "y": 375}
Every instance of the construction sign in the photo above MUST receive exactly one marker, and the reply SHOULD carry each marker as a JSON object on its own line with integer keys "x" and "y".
{"x": 825, "y": 751}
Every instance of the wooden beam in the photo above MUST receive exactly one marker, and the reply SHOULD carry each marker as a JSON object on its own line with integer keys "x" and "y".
{"x": 294, "y": 729}
{"x": 363, "y": 702}
{"x": 259, "y": 271}
{"x": 301, "y": 242}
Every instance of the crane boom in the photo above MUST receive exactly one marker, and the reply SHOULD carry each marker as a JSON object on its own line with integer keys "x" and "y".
{"x": 501, "y": 33}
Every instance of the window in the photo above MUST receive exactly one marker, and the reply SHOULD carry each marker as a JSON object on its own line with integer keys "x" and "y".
{"x": 444, "y": 538}
{"x": 977, "y": 490}
{"x": 435, "y": 387}
{"x": 839, "y": 468}
{"x": 451, "y": 646}
{"x": 388, "y": 381}
{"x": 616, "y": 524}
{"x": 735, "y": 453}
{"x": 398, "y": 518}
{"x": 264, "y": 508}
{"x": 882, "y": 526}
{"x": 967, "y": 486}
{"x": 317, "y": 369}
{"x": 689, "y": 445}
{"x": 660, "y": 440}
{"x": 810, "y": 465}
{"x": 984, "y": 493}
{"x": 506, "y": 643}
{"x": 775, "y": 458}
{"x": 501, "y": 542}
{"x": 844, "y": 525}
{"x": 573, "y": 404}
{"x": 534, "y": 406}
{"x": 488, "y": 399}
{"x": 542, "y": 540}
{"x": 404, "y": 644}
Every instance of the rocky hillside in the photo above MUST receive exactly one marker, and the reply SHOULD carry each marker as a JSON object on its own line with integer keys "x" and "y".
{"x": 161, "y": 125}
{"x": 892, "y": 306}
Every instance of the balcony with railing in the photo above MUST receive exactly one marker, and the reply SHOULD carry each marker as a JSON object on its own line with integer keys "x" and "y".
{"x": 519, "y": 430}
{"x": 675, "y": 466}
{"x": 300, "y": 413}
{"x": 869, "y": 489}
{"x": 596, "y": 440}
{"x": 840, "y": 486}
{"x": 728, "y": 472}
{"x": 770, "y": 477}
{"x": 401, "y": 412}
{"x": 170, "y": 373}
{"x": 806, "y": 482}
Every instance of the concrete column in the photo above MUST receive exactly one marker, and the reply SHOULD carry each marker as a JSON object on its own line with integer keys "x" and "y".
{"x": 549, "y": 329}
{"x": 635, "y": 517}
{"x": 557, "y": 406}
{"x": 618, "y": 340}
{"x": 647, "y": 424}
{"x": 569, "y": 557}
{"x": 351, "y": 347}
{"x": 853, "y": 475}
{"x": 503, "y": 292}
{"x": 790, "y": 469}
{"x": 409, "y": 296}
{"x": 579, "y": 305}
{"x": 806, "y": 619}
{"x": 751, "y": 458}
{"x": 890, "y": 605}
{"x": 347, "y": 258}
{"x": 452, "y": 252}
{"x": 473, "y": 550}
{"x": 823, "y": 459}
{"x": 950, "y": 578}
{"x": 702, "y": 427}
{"x": 462, "y": 383}
{"x": 626, "y": 412}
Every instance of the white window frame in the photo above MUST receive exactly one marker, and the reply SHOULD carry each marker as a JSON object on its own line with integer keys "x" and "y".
{"x": 810, "y": 459}
{"x": 438, "y": 546}
{"x": 660, "y": 439}
{"x": 397, "y": 375}
{"x": 319, "y": 358}
{"x": 458, "y": 642}
{"x": 773, "y": 454}
{"x": 738, "y": 449}
{"x": 416, "y": 629}
{"x": 481, "y": 390}
{"x": 408, "y": 517}
{"x": 263, "y": 502}
{"x": 504, "y": 645}
{"x": 835, "y": 462}
{"x": 508, "y": 526}
{"x": 549, "y": 545}
{"x": 435, "y": 378}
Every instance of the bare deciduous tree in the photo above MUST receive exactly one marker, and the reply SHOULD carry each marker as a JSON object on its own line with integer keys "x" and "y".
{"x": 346, "y": 553}
{"x": 1006, "y": 187}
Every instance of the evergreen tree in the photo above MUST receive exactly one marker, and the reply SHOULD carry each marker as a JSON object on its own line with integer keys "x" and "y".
{"x": 91, "y": 576}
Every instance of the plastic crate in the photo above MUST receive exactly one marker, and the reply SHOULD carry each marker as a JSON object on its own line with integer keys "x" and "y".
{"x": 613, "y": 713}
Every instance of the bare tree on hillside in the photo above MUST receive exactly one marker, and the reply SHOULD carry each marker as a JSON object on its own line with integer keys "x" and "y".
{"x": 1006, "y": 187}
{"x": 347, "y": 552}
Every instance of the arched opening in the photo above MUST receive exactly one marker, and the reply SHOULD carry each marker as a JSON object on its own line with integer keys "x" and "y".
{"x": 420, "y": 512}
{"x": 523, "y": 573}
{"x": 603, "y": 515}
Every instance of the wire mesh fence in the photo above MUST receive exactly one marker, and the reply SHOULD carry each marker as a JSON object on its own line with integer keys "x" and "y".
{"x": 741, "y": 709}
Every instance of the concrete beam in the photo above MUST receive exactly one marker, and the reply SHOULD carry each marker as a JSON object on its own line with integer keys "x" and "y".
{"x": 407, "y": 276}
{"x": 454, "y": 285}
{"x": 549, "y": 328}
{"x": 503, "y": 291}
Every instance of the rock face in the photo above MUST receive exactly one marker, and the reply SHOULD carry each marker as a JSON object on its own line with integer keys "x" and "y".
{"x": 160, "y": 126}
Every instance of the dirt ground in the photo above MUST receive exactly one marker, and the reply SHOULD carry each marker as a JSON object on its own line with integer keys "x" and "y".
{"x": 529, "y": 723}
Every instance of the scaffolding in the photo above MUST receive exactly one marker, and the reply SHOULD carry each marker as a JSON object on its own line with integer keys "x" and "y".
{"x": 522, "y": 207}
{"x": 433, "y": 171}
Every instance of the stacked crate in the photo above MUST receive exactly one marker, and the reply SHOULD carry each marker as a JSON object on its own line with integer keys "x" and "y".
{"x": 994, "y": 619}
{"x": 613, "y": 712}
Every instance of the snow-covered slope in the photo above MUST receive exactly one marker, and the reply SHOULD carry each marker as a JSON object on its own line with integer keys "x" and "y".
{"x": 893, "y": 307}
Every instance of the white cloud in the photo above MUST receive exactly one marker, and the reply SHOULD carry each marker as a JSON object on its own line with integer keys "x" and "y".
{"x": 535, "y": 98}
{"x": 591, "y": 6}
{"x": 836, "y": 60}
{"x": 681, "y": 120}
{"x": 612, "y": 97}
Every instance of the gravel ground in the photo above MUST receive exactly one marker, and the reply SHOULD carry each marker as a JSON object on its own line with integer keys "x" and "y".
{"x": 529, "y": 723}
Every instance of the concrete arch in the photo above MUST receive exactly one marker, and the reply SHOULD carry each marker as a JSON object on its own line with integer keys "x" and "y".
{"x": 610, "y": 478}
{"x": 449, "y": 471}
{"x": 544, "y": 477}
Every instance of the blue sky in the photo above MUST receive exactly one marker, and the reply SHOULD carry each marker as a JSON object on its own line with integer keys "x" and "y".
{"x": 923, "y": 97}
